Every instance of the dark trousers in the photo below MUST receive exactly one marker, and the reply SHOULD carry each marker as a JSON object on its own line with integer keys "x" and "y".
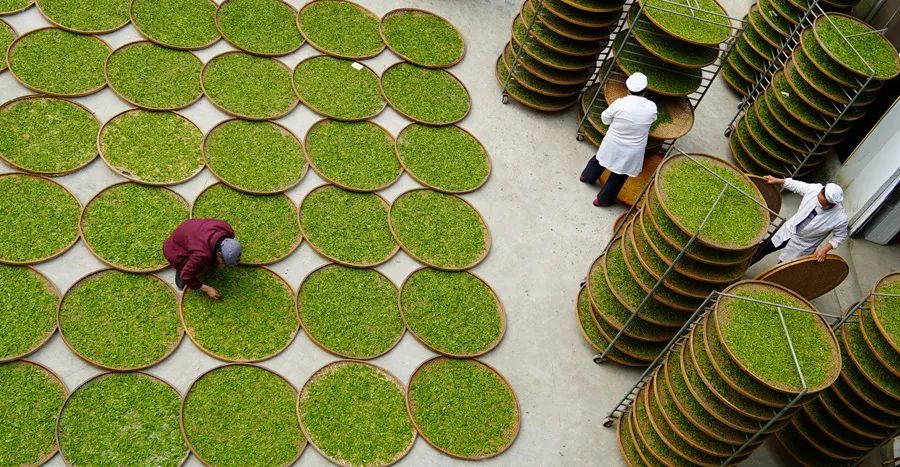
{"x": 178, "y": 282}
{"x": 765, "y": 249}
{"x": 614, "y": 183}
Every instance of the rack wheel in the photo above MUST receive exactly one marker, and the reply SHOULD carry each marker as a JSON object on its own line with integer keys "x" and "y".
{"x": 579, "y": 137}
{"x": 599, "y": 360}
{"x": 608, "y": 422}
{"x": 505, "y": 98}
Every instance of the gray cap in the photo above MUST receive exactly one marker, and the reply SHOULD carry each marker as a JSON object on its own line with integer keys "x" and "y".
{"x": 231, "y": 251}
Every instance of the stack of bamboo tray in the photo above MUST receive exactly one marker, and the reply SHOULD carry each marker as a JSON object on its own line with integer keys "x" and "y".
{"x": 862, "y": 409}
{"x": 731, "y": 375}
{"x": 818, "y": 82}
{"x": 560, "y": 54}
{"x": 670, "y": 44}
{"x": 683, "y": 190}
{"x": 766, "y": 27}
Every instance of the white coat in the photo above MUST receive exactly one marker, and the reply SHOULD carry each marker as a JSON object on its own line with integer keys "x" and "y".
{"x": 622, "y": 149}
{"x": 825, "y": 222}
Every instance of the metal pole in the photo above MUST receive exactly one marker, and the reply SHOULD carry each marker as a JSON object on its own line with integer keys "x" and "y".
{"x": 786, "y": 408}
{"x": 626, "y": 401}
{"x": 515, "y": 64}
{"x": 601, "y": 357}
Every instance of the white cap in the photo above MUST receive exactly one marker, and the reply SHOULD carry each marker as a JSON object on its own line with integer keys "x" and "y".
{"x": 833, "y": 193}
{"x": 636, "y": 82}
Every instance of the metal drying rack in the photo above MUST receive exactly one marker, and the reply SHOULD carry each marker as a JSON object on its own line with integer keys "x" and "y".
{"x": 851, "y": 317}
{"x": 625, "y": 404}
{"x": 764, "y": 80}
{"x": 673, "y": 150}
{"x": 603, "y": 72}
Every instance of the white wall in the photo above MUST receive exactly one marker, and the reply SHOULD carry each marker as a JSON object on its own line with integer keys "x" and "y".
{"x": 872, "y": 170}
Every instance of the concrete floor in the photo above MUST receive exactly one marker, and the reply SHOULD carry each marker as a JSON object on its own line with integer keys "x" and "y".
{"x": 545, "y": 236}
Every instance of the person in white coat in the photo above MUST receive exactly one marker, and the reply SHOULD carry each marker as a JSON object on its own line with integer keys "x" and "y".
{"x": 622, "y": 149}
{"x": 820, "y": 214}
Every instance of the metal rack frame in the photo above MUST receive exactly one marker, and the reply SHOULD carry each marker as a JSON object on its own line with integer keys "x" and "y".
{"x": 601, "y": 357}
{"x": 504, "y": 95}
{"x": 851, "y": 317}
{"x": 625, "y": 404}
{"x": 608, "y": 55}
{"x": 781, "y": 59}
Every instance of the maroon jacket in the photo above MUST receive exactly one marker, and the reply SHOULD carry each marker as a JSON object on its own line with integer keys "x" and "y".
{"x": 191, "y": 247}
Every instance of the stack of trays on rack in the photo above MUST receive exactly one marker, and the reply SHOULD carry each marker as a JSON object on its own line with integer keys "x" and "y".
{"x": 766, "y": 27}
{"x": 560, "y": 50}
{"x": 675, "y": 116}
{"x": 826, "y": 79}
{"x": 651, "y": 240}
{"x": 733, "y": 373}
{"x": 671, "y": 43}
{"x": 862, "y": 409}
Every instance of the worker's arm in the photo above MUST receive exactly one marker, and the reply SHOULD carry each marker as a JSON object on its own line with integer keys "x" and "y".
{"x": 840, "y": 234}
{"x": 191, "y": 270}
{"x": 610, "y": 112}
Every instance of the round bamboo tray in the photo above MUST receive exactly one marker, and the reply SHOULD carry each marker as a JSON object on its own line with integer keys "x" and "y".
{"x": 651, "y": 332}
{"x": 327, "y": 51}
{"x": 261, "y": 54}
{"x": 602, "y": 339}
{"x": 64, "y": 248}
{"x": 473, "y": 263}
{"x": 56, "y": 379}
{"x": 815, "y": 29}
{"x": 9, "y": 59}
{"x": 535, "y": 83}
{"x": 808, "y": 277}
{"x": 328, "y": 368}
{"x": 721, "y": 316}
{"x": 141, "y": 374}
{"x": 140, "y": 31}
{"x": 501, "y": 310}
{"x": 6, "y": 105}
{"x": 189, "y": 330}
{"x": 421, "y": 12}
{"x": 500, "y": 377}
{"x": 660, "y": 193}
{"x": 306, "y": 101}
{"x": 333, "y": 258}
{"x": 331, "y": 180}
{"x": 101, "y": 148}
{"x": 187, "y": 394}
{"x": 53, "y": 290}
{"x": 172, "y": 347}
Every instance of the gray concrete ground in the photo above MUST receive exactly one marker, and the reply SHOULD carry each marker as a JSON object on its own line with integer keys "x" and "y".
{"x": 545, "y": 236}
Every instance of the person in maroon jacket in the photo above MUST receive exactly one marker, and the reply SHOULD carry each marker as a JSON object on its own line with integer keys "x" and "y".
{"x": 196, "y": 244}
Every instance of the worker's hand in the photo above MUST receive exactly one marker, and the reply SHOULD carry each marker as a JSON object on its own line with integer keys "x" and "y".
{"x": 211, "y": 292}
{"x": 822, "y": 253}
{"x": 773, "y": 180}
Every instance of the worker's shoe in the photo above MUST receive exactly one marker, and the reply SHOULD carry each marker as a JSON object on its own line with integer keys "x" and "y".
{"x": 601, "y": 205}
{"x": 582, "y": 180}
